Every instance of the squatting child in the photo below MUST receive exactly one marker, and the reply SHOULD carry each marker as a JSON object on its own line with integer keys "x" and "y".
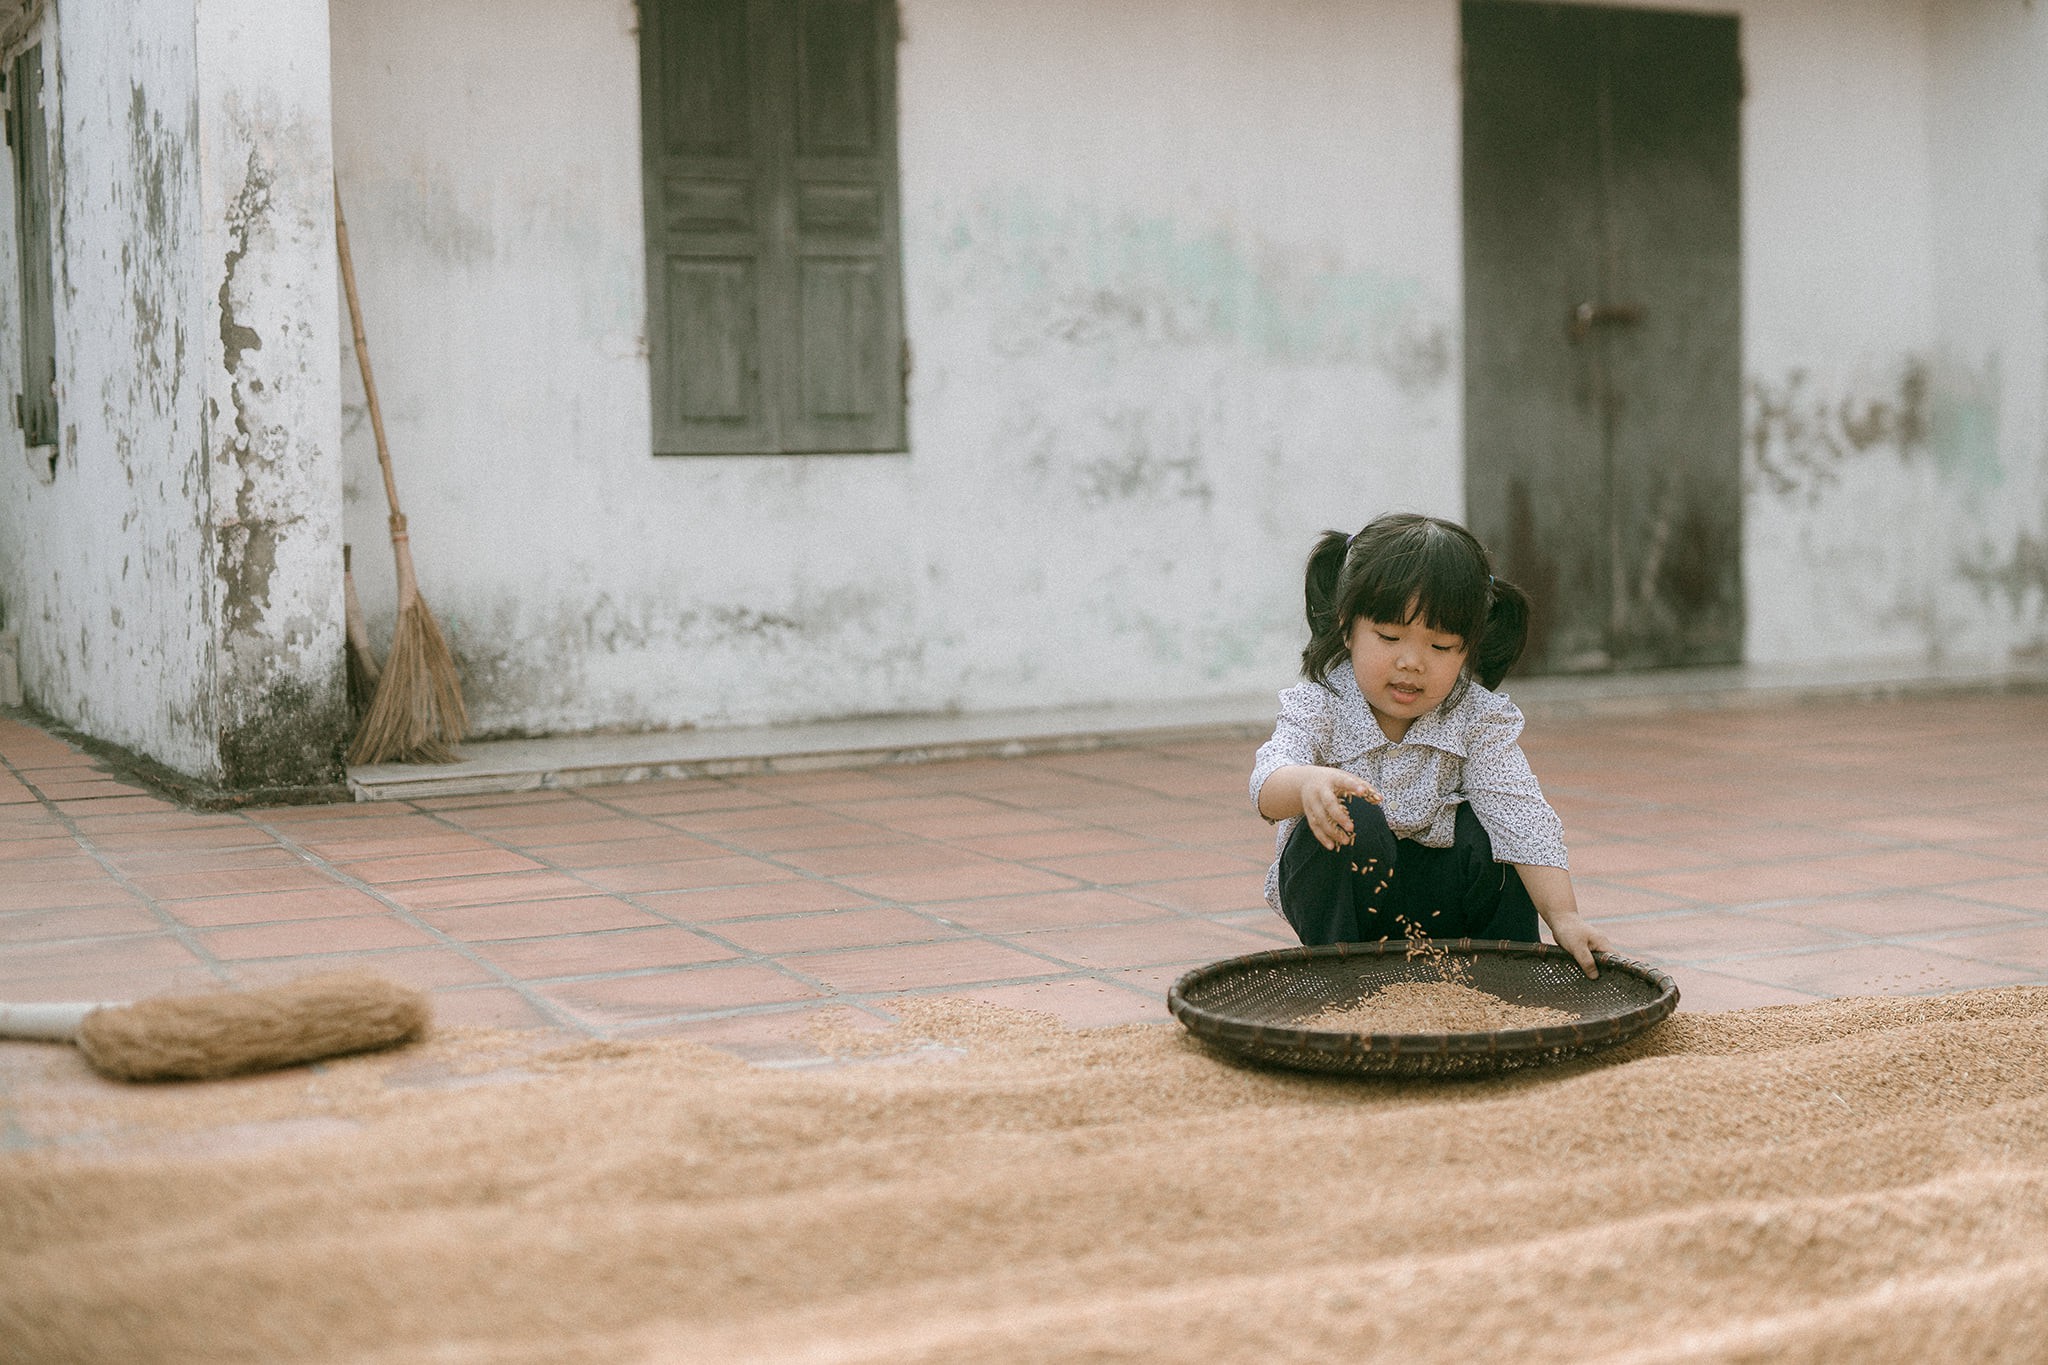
{"x": 1395, "y": 771}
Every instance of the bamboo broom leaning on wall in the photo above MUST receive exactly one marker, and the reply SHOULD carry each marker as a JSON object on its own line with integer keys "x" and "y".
{"x": 417, "y": 714}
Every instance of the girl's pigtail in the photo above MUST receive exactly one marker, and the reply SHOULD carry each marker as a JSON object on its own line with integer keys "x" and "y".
{"x": 1325, "y": 631}
{"x": 1507, "y": 632}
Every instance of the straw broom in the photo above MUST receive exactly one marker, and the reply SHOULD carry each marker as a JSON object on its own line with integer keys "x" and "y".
{"x": 228, "y": 1033}
{"x": 363, "y": 671}
{"x": 417, "y": 714}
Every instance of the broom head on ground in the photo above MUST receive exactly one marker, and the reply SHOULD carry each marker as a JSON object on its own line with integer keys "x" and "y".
{"x": 228, "y": 1033}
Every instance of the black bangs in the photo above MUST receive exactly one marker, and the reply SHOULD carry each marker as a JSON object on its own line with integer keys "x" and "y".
{"x": 1400, "y": 566}
{"x": 1422, "y": 569}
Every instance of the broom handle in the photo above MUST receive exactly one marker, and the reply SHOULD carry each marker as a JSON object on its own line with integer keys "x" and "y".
{"x": 355, "y": 319}
{"x": 53, "y": 1023}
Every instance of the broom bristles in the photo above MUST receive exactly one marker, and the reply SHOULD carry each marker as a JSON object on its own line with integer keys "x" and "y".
{"x": 362, "y": 662}
{"x": 226, "y": 1033}
{"x": 417, "y": 714}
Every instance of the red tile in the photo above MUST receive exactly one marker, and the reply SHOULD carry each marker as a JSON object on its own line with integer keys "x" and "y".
{"x": 537, "y": 919}
{"x": 192, "y": 885}
{"x": 859, "y": 928}
{"x": 1058, "y": 909}
{"x": 700, "y": 872}
{"x": 714, "y": 904}
{"x": 2025, "y": 948}
{"x": 442, "y": 893}
{"x": 487, "y": 1007}
{"x": 1146, "y": 945}
{"x": 916, "y": 965}
{"x": 1207, "y": 895}
{"x": 902, "y": 855}
{"x": 333, "y": 902}
{"x": 1710, "y": 934}
{"x": 1076, "y": 1002}
{"x": 587, "y": 954}
{"x": 1623, "y": 858}
{"x": 426, "y": 968}
{"x": 301, "y": 938}
{"x": 99, "y": 890}
{"x": 35, "y": 848}
{"x": 112, "y": 985}
{"x": 957, "y": 883}
{"x": 87, "y": 922}
{"x": 1035, "y": 846}
{"x": 2026, "y": 893}
{"x": 427, "y": 866}
{"x": 1702, "y": 991}
{"x": 1899, "y": 913}
{"x": 664, "y": 846}
{"x": 1753, "y": 884}
{"x": 1151, "y": 865}
{"x": 689, "y": 990}
{"x": 94, "y": 957}
{"x": 71, "y": 867}
{"x": 1915, "y": 867}
{"x": 1874, "y": 969}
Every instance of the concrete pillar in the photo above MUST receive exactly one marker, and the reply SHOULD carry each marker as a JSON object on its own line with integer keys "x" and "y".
{"x": 270, "y": 357}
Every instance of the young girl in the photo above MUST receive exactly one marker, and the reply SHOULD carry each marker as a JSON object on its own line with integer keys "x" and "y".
{"x": 1394, "y": 772}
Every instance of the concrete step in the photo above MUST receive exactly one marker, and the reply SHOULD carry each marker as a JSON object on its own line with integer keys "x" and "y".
{"x": 508, "y": 765}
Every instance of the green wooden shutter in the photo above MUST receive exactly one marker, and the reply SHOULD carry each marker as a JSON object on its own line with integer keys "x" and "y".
{"x": 774, "y": 290}
{"x": 28, "y": 135}
{"x": 846, "y": 325}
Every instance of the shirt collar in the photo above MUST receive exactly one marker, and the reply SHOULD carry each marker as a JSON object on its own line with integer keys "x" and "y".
{"x": 1358, "y": 729}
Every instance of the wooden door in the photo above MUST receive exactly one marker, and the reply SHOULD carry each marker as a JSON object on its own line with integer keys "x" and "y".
{"x": 1602, "y": 326}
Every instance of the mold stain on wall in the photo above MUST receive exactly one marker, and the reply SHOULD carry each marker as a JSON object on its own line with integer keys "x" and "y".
{"x": 1075, "y": 278}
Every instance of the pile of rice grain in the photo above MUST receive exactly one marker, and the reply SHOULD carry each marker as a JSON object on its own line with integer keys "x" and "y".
{"x": 1432, "y": 1007}
{"x": 1857, "y": 1180}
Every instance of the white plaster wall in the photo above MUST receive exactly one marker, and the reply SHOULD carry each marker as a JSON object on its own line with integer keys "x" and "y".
{"x": 1181, "y": 289}
{"x": 174, "y": 574}
{"x": 1182, "y": 284}
{"x": 271, "y": 366}
{"x": 1839, "y": 334}
{"x": 1989, "y": 143}
{"x": 103, "y": 560}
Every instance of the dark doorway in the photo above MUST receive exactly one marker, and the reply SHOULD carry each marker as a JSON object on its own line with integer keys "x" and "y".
{"x": 1603, "y": 370}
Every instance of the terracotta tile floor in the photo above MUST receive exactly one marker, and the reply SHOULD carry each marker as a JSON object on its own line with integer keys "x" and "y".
{"x": 1762, "y": 856}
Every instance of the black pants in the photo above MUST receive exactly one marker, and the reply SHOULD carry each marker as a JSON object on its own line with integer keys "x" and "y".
{"x": 1377, "y": 884}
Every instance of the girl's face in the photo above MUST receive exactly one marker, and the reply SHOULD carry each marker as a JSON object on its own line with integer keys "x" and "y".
{"x": 1404, "y": 669}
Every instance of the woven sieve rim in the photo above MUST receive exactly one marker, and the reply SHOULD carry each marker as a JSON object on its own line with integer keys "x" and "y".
{"x": 1235, "y": 1033}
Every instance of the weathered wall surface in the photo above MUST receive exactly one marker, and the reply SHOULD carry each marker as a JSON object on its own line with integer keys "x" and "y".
{"x": 173, "y": 564}
{"x": 271, "y": 376}
{"x": 104, "y": 567}
{"x": 1988, "y": 434}
{"x": 1181, "y": 288}
{"x": 1887, "y": 272}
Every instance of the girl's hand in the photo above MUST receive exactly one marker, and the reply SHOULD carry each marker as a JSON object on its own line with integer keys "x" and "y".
{"x": 1323, "y": 792}
{"x": 1551, "y": 889}
{"x": 1578, "y": 938}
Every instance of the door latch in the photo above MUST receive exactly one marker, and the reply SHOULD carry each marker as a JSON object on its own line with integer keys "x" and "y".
{"x": 1587, "y": 316}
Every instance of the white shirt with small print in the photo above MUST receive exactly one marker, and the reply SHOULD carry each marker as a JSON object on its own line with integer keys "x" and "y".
{"x": 1466, "y": 750}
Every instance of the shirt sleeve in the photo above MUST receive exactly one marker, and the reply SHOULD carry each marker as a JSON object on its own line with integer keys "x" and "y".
{"x": 1301, "y": 735}
{"x": 1505, "y": 795}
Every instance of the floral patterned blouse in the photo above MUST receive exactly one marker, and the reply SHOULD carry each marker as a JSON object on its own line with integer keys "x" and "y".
{"x": 1467, "y": 750}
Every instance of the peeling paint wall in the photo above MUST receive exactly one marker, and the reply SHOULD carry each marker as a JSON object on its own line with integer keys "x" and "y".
{"x": 1990, "y": 421}
{"x": 174, "y": 571}
{"x": 271, "y": 379}
{"x": 1181, "y": 286}
{"x": 1886, "y": 262}
{"x": 103, "y": 564}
